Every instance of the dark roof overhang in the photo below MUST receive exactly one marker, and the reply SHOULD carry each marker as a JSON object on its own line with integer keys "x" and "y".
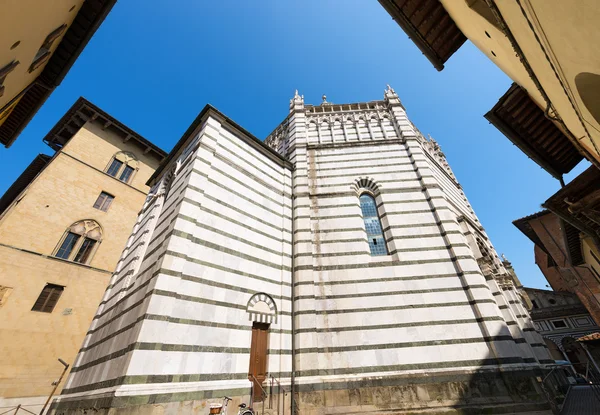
{"x": 30, "y": 173}
{"x": 525, "y": 227}
{"x": 83, "y": 111}
{"x": 429, "y": 26}
{"x": 520, "y": 119}
{"x": 90, "y": 16}
{"x": 578, "y": 203}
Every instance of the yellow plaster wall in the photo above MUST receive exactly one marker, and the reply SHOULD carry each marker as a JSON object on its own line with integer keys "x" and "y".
{"x": 568, "y": 34}
{"x": 63, "y": 193}
{"x": 29, "y": 22}
{"x": 31, "y": 342}
{"x": 85, "y": 146}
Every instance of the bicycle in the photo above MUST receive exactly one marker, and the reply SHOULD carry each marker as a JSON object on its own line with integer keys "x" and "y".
{"x": 217, "y": 408}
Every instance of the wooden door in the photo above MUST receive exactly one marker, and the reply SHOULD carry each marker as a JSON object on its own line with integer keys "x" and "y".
{"x": 258, "y": 358}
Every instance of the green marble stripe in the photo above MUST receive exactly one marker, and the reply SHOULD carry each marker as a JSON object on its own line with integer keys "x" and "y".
{"x": 352, "y": 177}
{"x": 248, "y": 199}
{"x": 397, "y": 325}
{"x": 488, "y": 376}
{"x": 164, "y": 347}
{"x": 146, "y": 379}
{"x": 398, "y": 202}
{"x": 386, "y": 293}
{"x": 226, "y": 269}
{"x": 199, "y": 280}
{"x": 414, "y": 366}
{"x": 233, "y": 252}
{"x": 338, "y": 349}
{"x": 246, "y": 185}
{"x": 331, "y": 241}
{"x": 420, "y": 225}
{"x": 227, "y": 160}
{"x": 363, "y": 167}
{"x": 394, "y": 308}
{"x": 206, "y": 323}
{"x": 175, "y": 320}
{"x": 378, "y": 264}
{"x": 216, "y": 214}
{"x": 201, "y": 300}
{"x": 247, "y": 152}
{"x": 236, "y": 237}
{"x": 235, "y": 209}
{"x": 387, "y": 279}
{"x": 397, "y": 149}
{"x": 419, "y": 236}
{"x": 256, "y": 179}
{"x": 329, "y": 230}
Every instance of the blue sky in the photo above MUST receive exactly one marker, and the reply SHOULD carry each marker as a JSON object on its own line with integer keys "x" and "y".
{"x": 154, "y": 64}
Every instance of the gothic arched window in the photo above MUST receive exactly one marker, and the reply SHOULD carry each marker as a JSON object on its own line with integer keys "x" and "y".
{"x": 122, "y": 166}
{"x": 80, "y": 241}
{"x": 372, "y": 225}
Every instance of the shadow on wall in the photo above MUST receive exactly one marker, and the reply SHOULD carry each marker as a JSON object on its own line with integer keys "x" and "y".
{"x": 480, "y": 389}
{"x": 588, "y": 86}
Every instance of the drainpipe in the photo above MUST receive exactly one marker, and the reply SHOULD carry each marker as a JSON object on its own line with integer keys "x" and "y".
{"x": 55, "y": 384}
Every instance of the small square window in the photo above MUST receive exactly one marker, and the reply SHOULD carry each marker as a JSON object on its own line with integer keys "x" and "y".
{"x": 559, "y": 324}
{"x": 48, "y": 298}
{"x": 103, "y": 202}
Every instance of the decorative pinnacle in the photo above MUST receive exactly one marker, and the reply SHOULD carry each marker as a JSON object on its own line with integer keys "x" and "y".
{"x": 324, "y": 97}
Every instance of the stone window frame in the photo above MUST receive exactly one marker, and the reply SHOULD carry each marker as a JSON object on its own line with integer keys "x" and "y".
{"x": 126, "y": 158}
{"x": 103, "y": 201}
{"x": 559, "y": 320}
{"x": 53, "y": 293}
{"x": 86, "y": 229}
{"x": 367, "y": 186}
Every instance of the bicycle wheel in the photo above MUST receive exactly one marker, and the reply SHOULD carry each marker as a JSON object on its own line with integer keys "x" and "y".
{"x": 247, "y": 412}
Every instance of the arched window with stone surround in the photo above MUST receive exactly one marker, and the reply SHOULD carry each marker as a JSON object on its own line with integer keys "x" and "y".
{"x": 123, "y": 166}
{"x": 79, "y": 242}
{"x": 367, "y": 190}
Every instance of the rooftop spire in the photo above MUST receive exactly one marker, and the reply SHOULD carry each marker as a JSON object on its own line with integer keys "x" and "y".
{"x": 297, "y": 103}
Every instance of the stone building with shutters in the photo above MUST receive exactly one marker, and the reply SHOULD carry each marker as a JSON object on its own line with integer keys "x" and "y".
{"x": 339, "y": 257}
{"x": 63, "y": 225}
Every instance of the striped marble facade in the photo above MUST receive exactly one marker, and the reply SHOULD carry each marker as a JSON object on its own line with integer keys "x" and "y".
{"x": 234, "y": 228}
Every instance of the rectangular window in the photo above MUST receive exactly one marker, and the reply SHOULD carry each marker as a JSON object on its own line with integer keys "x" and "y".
{"x": 127, "y": 171}
{"x": 48, "y": 298}
{"x": 65, "y": 249}
{"x": 534, "y": 304}
{"x": 114, "y": 168}
{"x": 551, "y": 261}
{"x": 103, "y": 202}
{"x": 559, "y": 324}
{"x": 84, "y": 252}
